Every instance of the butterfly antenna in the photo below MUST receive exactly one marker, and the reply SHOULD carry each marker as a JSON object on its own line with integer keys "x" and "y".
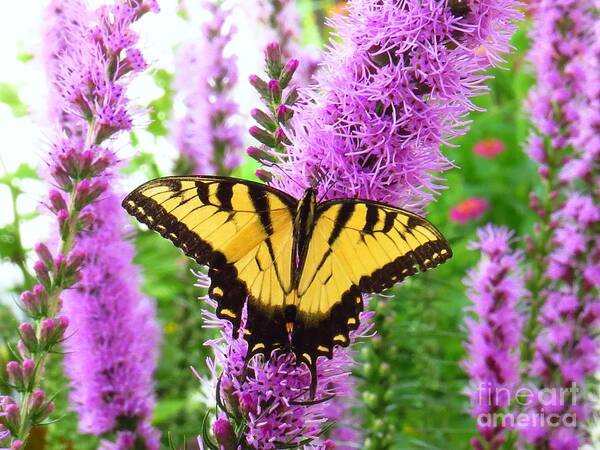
{"x": 329, "y": 188}
{"x": 314, "y": 401}
{"x": 287, "y": 175}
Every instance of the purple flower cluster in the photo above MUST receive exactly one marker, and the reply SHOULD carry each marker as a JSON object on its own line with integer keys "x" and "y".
{"x": 394, "y": 87}
{"x": 494, "y": 334}
{"x": 564, "y": 108}
{"x": 207, "y": 136}
{"x": 64, "y": 20}
{"x": 111, "y": 353}
{"x": 560, "y": 38}
{"x": 110, "y": 359}
{"x": 270, "y": 397}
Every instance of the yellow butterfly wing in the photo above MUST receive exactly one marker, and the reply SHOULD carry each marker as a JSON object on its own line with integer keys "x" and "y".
{"x": 243, "y": 231}
{"x": 356, "y": 247}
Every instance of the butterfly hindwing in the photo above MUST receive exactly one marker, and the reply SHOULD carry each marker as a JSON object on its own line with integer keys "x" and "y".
{"x": 242, "y": 231}
{"x": 356, "y": 247}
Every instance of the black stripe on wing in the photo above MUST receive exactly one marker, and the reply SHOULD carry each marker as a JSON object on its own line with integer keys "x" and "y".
{"x": 229, "y": 291}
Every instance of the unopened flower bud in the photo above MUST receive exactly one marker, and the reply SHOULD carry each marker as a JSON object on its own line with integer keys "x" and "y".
{"x": 264, "y": 176}
{"x": 284, "y": 113}
{"x": 62, "y": 324}
{"x": 12, "y": 416}
{"x": 61, "y": 178}
{"x": 85, "y": 220}
{"x": 42, "y": 273}
{"x": 75, "y": 261}
{"x": 47, "y": 330}
{"x": 260, "y": 85}
{"x": 53, "y": 331}
{"x": 273, "y": 60}
{"x": 17, "y": 444}
{"x": 39, "y": 407}
{"x": 263, "y": 136}
{"x": 263, "y": 119}
{"x": 281, "y": 136}
{"x": 15, "y": 373}
{"x": 288, "y": 72}
{"x": 63, "y": 223}
{"x": 260, "y": 154}
{"x": 43, "y": 253}
{"x": 31, "y": 303}
{"x": 22, "y": 349}
{"x": 38, "y": 399}
{"x": 86, "y": 192}
{"x": 275, "y": 91}
{"x": 100, "y": 165}
{"x": 28, "y": 368}
{"x": 57, "y": 201}
{"x": 28, "y": 336}
{"x": 273, "y": 52}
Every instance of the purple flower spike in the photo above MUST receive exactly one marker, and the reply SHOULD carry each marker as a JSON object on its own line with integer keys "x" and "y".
{"x": 111, "y": 352}
{"x": 396, "y": 86}
{"x": 90, "y": 58}
{"x": 566, "y": 304}
{"x": 282, "y": 19}
{"x": 495, "y": 288}
{"x": 208, "y": 135}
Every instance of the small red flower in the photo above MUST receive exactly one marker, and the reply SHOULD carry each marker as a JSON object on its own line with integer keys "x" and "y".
{"x": 489, "y": 148}
{"x": 470, "y": 209}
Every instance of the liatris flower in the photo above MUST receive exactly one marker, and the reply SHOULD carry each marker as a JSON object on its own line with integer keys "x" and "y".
{"x": 394, "y": 87}
{"x": 489, "y": 148}
{"x": 470, "y": 209}
{"x": 111, "y": 354}
{"x": 207, "y": 136}
{"x": 566, "y": 306}
{"x": 64, "y": 19}
{"x": 110, "y": 371}
{"x": 494, "y": 334}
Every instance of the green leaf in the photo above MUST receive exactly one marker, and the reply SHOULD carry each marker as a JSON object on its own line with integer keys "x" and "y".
{"x": 25, "y": 171}
{"x": 8, "y": 243}
{"x": 142, "y": 159}
{"x": 25, "y": 57}
{"x": 9, "y": 95}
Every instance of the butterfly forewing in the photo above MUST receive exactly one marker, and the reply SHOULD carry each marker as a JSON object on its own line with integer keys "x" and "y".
{"x": 356, "y": 247}
{"x": 242, "y": 231}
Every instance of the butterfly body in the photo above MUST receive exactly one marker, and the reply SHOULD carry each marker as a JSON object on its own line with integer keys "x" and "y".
{"x": 304, "y": 223}
{"x": 299, "y": 267}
